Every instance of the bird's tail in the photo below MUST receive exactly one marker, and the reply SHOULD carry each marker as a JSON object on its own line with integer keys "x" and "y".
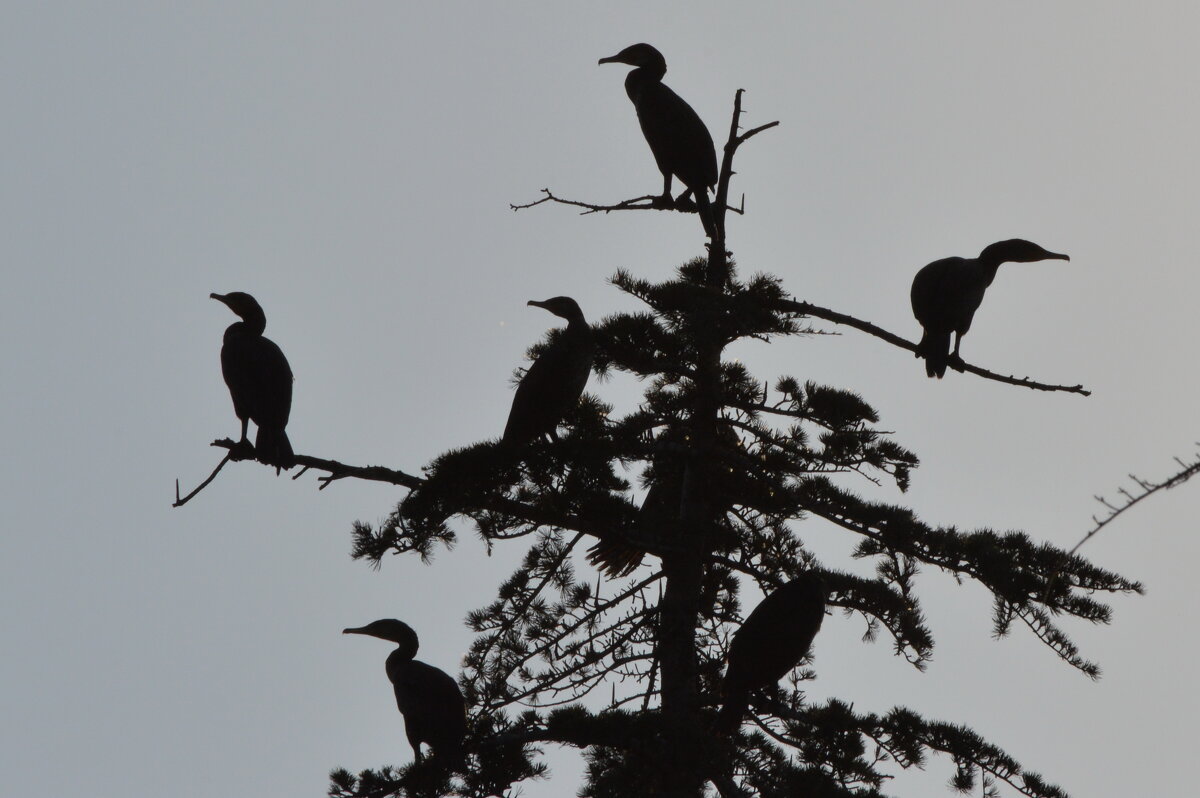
{"x": 271, "y": 446}
{"x": 730, "y": 716}
{"x": 935, "y": 348}
{"x": 705, "y": 209}
{"x": 615, "y": 557}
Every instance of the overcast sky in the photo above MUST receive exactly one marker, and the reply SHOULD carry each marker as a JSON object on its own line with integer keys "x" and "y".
{"x": 351, "y": 165}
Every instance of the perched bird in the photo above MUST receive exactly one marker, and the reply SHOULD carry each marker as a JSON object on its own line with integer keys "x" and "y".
{"x": 618, "y": 556}
{"x": 259, "y": 380}
{"x": 555, "y": 381}
{"x": 946, "y": 294}
{"x": 428, "y": 697}
{"x": 772, "y": 641}
{"x": 680, "y": 142}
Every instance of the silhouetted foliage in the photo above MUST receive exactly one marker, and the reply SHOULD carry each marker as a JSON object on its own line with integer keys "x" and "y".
{"x": 759, "y": 466}
{"x": 627, "y": 663}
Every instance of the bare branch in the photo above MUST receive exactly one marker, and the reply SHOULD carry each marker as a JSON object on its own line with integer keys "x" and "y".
{"x": 636, "y": 204}
{"x": 721, "y": 204}
{"x": 180, "y": 502}
{"x": 336, "y": 470}
{"x": 1146, "y": 490}
{"x": 809, "y": 309}
{"x": 643, "y": 203}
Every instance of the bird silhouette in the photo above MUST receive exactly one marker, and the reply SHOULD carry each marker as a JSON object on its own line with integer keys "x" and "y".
{"x": 681, "y": 144}
{"x": 618, "y": 556}
{"x": 772, "y": 640}
{"x": 259, "y": 380}
{"x": 428, "y": 697}
{"x": 555, "y": 380}
{"x": 946, "y": 293}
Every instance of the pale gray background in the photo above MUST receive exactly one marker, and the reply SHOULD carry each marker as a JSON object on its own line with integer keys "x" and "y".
{"x": 351, "y": 165}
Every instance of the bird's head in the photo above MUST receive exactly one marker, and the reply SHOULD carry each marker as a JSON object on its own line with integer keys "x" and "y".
{"x": 1017, "y": 250}
{"x": 240, "y": 303}
{"x": 807, "y": 583}
{"x": 638, "y": 55}
{"x": 561, "y": 306}
{"x": 389, "y": 629}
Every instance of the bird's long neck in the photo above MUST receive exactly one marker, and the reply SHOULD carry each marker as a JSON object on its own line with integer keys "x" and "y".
{"x": 986, "y": 265}
{"x": 253, "y": 322}
{"x": 242, "y": 330}
{"x": 638, "y": 79}
{"x": 578, "y": 329}
{"x": 405, "y": 652}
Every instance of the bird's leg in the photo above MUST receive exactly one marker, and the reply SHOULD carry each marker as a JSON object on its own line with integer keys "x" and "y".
{"x": 955, "y": 360}
{"x": 244, "y": 450}
{"x": 665, "y": 202}
{"x": 684, "y": 202}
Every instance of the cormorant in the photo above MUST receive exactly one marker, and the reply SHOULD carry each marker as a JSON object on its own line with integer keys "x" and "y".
{"x": 259, "y": 380}
{"x": 771, "y": 641}
{"x": 428, "y": 697}
{"x": 678, "y": 138}
{"x": 946, "y": 294}
{"x": 616, "y": 557}
{"x": 555, "y": 381}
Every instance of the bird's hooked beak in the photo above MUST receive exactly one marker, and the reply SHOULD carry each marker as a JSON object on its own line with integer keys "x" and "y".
{"x": 1057, "y": 256}
{"x": 612, "y": 59}
{"x": 219, "y": 298}
{"x": 357, "y": 630}
{"x": 537, "y": 304}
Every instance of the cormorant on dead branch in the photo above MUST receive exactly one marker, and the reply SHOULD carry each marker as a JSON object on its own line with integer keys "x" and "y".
{"x": 771, "y": 641}
{"x": 946, "y": 294}
{"x": 678, "y": 138}
{"x": 259, "y": 380}
{"x": 555, "y": 381}
{"x": 428, "y": 697}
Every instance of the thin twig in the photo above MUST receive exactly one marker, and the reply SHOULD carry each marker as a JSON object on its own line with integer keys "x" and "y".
{"x": 180, "y": 502}
{"x": 809, "y": 309}
{"x": 1147, "y": 489}
{"x": 636, "y": 204}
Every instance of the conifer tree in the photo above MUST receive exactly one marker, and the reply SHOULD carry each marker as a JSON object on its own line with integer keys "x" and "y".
{"x": 679, "y": 504}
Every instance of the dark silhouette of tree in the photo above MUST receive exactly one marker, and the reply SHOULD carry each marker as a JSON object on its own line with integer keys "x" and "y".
{"x": 628, "y": 665}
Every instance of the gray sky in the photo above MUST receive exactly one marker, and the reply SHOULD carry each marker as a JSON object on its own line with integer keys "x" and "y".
{"x": 351, "y": 165}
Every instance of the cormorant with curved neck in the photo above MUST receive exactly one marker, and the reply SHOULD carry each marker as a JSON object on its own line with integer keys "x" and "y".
{"x": 771, "y": 641}
{"x": 555, "y": 381}
{"x": 946, "y": 293}
{"x": 259, "y": 380}
{"x": 681, "y": 144}
{"x": 428, "y": 697}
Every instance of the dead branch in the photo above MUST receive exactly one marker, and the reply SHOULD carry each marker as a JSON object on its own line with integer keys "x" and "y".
{"x": 180, "y": 502}
{"x": 809, "y": 309}
{"x": 1145, "y": 490}
{"x": 735, "y": 140}
{"x": 334, "y": 470}
{"x": 644, "y": 203}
